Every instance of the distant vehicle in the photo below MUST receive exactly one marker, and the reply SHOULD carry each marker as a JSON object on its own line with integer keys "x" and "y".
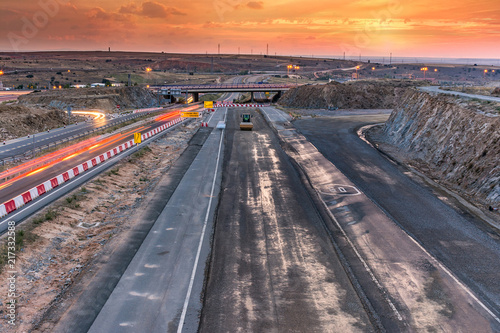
{"x": 246, "y": 122}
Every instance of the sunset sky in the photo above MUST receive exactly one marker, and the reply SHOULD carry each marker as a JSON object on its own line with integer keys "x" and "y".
{"x": 446, "y": 28}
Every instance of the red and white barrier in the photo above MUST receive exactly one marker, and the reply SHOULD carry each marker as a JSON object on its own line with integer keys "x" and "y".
{"x": 21, "y": 200}
{"x": 224, "y": 105}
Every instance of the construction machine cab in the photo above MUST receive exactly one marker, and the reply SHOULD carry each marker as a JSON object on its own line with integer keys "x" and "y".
{"x": 246, "y": 122}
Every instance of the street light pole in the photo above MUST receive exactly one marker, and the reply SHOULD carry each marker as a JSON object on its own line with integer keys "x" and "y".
{"x": 424, "y": 69}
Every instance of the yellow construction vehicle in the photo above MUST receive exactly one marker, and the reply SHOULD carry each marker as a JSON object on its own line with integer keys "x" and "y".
{"x": 246, "y": 122}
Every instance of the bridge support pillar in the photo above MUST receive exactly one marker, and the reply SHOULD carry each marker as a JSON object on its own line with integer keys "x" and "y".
{"x": 252, "y": 97}
{"x": 196, "y": 97}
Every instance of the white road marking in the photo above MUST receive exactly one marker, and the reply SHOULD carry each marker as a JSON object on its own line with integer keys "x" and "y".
{"x": 193, "y": 274}
{"x": 211, "y": 116}
{"x": 464, "y": 287}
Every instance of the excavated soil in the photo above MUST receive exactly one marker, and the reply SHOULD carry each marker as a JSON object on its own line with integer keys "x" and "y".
{"x": 88, "y": 222}
{"x": 21, "y": 120}
{"x": 106, "y": 99}
{"x": 379, "y": 94}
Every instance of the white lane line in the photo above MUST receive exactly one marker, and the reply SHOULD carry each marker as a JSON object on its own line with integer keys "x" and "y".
{"x": 463, "y": 286}
{"x": 211, "y": 116}
{"x": 191, "y": 281}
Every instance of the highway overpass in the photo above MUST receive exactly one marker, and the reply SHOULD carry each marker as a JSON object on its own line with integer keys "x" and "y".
{"x": 196, "y": 90}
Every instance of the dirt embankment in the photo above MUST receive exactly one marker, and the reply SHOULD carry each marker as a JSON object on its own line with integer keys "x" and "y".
{"x": 105, "y": 99}
{"x": 21, "y": 120}
{"x": 380, "y": 94}
{"x": 449, "y": 140}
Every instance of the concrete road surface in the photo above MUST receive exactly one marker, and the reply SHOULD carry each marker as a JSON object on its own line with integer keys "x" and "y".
{"x": 160, "y": 290}
{"x": 273, "y": 268}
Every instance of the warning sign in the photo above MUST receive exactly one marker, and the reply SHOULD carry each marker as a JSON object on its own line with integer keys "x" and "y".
{"x": 190, "y": 115}
{"x": 209, "y": 105}
{"x": 137, "y": 138}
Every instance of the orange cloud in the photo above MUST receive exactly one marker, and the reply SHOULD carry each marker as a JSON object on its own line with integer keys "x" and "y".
{"x": 150, "y": 9}
{"x": 458, "y": 28}
{"x": 255, "y": 5}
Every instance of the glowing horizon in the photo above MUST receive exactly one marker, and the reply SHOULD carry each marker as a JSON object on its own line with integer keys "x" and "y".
{"x": 458, "y": 29}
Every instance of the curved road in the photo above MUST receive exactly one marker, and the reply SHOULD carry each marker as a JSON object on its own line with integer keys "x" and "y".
{"x": 456, "y": 239}
{"x": 437, "y": 90}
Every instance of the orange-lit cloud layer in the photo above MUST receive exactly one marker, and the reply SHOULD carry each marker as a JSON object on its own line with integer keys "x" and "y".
{"x": 447, "y": 28}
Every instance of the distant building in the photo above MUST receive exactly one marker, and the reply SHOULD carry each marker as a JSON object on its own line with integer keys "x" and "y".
{"x": 98, "y": 85}
{"x": 1, "y": 85}
{"x": 78, "y": 85}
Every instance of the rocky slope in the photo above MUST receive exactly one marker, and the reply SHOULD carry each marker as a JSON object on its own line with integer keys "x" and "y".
{"x": 21, "y": 120}
{"x": 105, "y": 99}
{"x": 451, "y": 141}
{"x": 379, "y": 94}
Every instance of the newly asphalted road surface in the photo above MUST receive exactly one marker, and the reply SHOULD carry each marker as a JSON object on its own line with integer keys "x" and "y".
{"x": 273, "y": 267}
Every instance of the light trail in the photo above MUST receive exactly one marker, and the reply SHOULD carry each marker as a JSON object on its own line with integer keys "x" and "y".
{"x": 5, "y": 185}
{"x": 38, "y": 170}
{"x": 46, "y": 158}
{"x": 64, "y": 155}
{"x": 98, "y": 115}
{"x": 70, "y": 156}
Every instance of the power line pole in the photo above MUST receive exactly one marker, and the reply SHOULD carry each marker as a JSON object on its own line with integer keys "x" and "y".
{"x": 219, "y": 49}
{"x": 267, "y": 52}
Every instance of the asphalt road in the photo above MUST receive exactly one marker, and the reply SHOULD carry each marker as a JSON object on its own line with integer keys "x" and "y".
{"x": 273, "y": 268}
{"x": 436, "y": 90}
{"x": 456, "y": 239}
{"x": 26, "y": 183}
{"x": 25, "y": 145}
